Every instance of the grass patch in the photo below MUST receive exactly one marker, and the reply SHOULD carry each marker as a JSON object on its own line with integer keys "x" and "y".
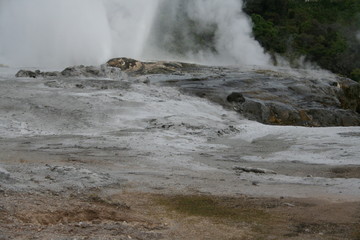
{"x": 356, "y": 235}
{"x": 216, "y": 208}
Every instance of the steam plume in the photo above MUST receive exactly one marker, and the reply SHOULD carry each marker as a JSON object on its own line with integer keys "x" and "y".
{"x": 53, "y": 32}
{"x": 182, "y": 24}
{"x": 57, "y": 33}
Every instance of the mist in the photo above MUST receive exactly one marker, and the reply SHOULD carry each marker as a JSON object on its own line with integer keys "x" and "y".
{"x": 206, "y": 31}
{"x": 53, "y": 33}
{"x": 130, "y": 23}
{"x": 59, "y": 33}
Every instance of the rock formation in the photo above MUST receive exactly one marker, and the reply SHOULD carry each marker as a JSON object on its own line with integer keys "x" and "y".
{"x": 271, "y": 97}
{"x": 135, "y": 67}
{"x": 75, "y": 71}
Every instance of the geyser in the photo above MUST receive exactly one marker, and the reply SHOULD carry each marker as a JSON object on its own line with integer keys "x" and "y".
{"x": 207, "y": 31}
{"x": 58, "y": 33}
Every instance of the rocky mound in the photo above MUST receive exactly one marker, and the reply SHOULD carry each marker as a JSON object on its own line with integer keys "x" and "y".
{"x": 298, "y": 101}
{"x": 102, "y": 71}
{"x": 268, "y": 96}
{"x": 135, "y": 67}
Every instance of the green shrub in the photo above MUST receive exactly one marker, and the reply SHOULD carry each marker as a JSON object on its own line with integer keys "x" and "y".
{"x": 324, "y": 31}
{"x": 355, "y": 74}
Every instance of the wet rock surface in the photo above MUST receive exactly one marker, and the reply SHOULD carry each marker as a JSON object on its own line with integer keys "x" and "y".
{"x": 112, "y": 154}
{"x": 280, "y": 97}
{"x": 140, "y": 126}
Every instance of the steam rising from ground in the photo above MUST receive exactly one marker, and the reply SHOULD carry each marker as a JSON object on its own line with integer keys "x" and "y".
{"x": 130, "y": 22}
{"x": 210, "y": 31}
{"x": 53, "y": 32}
{"x": 57, "y": 33}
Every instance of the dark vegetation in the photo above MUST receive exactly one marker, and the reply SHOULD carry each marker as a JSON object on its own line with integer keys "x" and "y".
{"x": 325, "y": 32}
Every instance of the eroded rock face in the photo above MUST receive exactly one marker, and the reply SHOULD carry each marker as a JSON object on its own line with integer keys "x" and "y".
{"x": 280, "y": 98}
{"x": 318, "y": 106}
{"x": 349, "y": 97}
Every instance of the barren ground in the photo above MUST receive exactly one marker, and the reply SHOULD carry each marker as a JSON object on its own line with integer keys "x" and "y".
{"x": 132, "y": 215}
{"x": 123, "y": 159}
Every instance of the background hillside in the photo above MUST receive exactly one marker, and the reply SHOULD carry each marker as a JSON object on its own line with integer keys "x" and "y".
{"x": 325, "y": 32}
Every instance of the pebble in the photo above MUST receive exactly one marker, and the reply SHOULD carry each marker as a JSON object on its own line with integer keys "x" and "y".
{"x": 4, "y": 175}
{"x": 3, "y": 237}
{"x": 255, "y": 183}
{"x": 82, "y": 225}
{"x": 289, "y": 205}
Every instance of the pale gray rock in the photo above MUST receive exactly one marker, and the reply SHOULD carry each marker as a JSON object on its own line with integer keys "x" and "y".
{"x": 4, "y": 174}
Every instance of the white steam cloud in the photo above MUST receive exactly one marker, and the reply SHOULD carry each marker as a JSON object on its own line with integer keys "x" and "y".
{"x": 58, "y": 33}
{"x": 232, "y": 39}
{"x": 53, "y": 32}
{"x": 130, "y": 22}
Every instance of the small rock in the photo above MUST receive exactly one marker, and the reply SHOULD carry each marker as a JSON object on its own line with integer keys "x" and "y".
{"x": 147, "y": 81}
{"x": 96, "y": 222}
{"x": 236, "y": 97}
{"x": 289, "y": 205}
{"x": 4, "y": 175}
{"x": 3, "y": 237}
{"x": 50, "y": 178}
{"x": 254, "y": 170}
{"x": 83, "y": 225}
